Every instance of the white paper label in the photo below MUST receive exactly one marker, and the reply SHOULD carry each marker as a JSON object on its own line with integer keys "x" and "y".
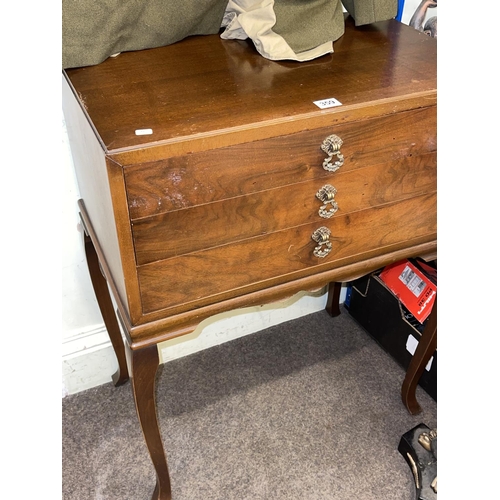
{"x": 327, "y": 103}
{"x": 412, "y": 281}
{"x": 411, "y": 347}
{"x": 144, "y": 131}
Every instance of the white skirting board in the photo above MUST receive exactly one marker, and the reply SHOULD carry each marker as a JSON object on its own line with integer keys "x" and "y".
{"x": 89, "y": 361}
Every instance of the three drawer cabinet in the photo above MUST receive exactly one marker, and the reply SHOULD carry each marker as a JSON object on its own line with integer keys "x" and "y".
{"x": 210, "y": 179}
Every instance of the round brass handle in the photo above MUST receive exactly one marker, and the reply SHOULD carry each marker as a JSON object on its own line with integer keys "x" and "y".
{"x": 327, "y": 195}
{"x": 331, "y": 146}
{"x": 321, "y": 236}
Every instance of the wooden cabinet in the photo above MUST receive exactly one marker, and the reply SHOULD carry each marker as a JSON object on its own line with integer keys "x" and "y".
{"x": 201, "y": 172}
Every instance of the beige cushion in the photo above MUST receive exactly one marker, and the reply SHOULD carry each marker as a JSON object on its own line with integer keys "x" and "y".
{"x": 257, "y": 20}
{"x": 298, "y": 30}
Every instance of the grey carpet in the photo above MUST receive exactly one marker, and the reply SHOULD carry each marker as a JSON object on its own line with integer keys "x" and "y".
{"x": 308, "y": 409}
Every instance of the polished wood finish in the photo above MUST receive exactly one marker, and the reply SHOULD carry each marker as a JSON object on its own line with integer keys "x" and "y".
{"x": 144, "y": 366}
{"x": 107, "y": 310}
{"x": 215, "y": 175}
{"x": 332, "y": 303}
{"x": 215, "y": 209}
{"x": 164, "y": 236}
{"x": 204, "y": 87}
{"x": 252, "y": 159}
{"x": 267, "y": 260}
{"x": 91, "y": 168}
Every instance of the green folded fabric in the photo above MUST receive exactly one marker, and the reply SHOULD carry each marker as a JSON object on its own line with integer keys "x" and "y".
{"x": 371, "y": 11}
{"x": 308, "y": 24}
{"x": 305, "y": 24}
{"x": 92, "y": 30}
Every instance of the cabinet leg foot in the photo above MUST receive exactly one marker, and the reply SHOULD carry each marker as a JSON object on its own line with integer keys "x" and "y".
{"x": 332, "y": 301}
{"x": 144, "y": 367}
{"x": 107, "y": 311}
{"x": 425, "y": 349}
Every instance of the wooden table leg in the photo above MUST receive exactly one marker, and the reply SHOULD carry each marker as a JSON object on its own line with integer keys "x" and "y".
{"x": 144, "y": 366}
{"x": 425, "y": 349}
{"x": 332, "y": 301}
{"x": 108, "y": 314}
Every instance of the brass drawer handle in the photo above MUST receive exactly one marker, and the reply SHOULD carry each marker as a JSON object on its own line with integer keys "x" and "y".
{"x": 321, "y": 236}
{"x": 327, "y": 195}
{"x": 331, "y": 146}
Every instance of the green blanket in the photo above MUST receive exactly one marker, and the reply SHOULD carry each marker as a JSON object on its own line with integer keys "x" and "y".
{"x": 306, "y": 24}
{"x": 92, "y": 30}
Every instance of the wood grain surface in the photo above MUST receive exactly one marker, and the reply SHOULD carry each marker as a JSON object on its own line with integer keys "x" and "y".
{"x": 237, "y": 268}
{"x": 219, "y": 223}
{"x": 204, "y": 84}
{"x": 192, "y": 179}
{"x": 216, "y": 207}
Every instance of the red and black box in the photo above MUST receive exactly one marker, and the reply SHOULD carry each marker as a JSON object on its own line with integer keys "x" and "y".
{"x": 372, "y": 303}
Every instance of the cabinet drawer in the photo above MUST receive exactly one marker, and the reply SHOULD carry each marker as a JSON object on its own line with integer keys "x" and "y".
{"x": 194, "y": 179}
{"x": 213, "y": 224}
{"x": 205, "y": 277}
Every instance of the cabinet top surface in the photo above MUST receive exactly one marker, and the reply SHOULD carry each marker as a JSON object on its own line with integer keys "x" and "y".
{"x": 204, "y": 84}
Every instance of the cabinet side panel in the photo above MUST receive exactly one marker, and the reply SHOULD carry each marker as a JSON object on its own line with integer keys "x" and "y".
{"x": 91, "y": 172}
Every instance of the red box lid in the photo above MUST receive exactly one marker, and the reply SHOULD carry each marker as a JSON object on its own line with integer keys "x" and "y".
{"x": 412, "y": 287}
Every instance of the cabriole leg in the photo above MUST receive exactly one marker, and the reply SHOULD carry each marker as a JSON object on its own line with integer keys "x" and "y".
{"x": 425, "y": 349}
{"x": 144, "y": 366}
{"x": 332, "y": 301}
{"x": 106, "y": 306}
